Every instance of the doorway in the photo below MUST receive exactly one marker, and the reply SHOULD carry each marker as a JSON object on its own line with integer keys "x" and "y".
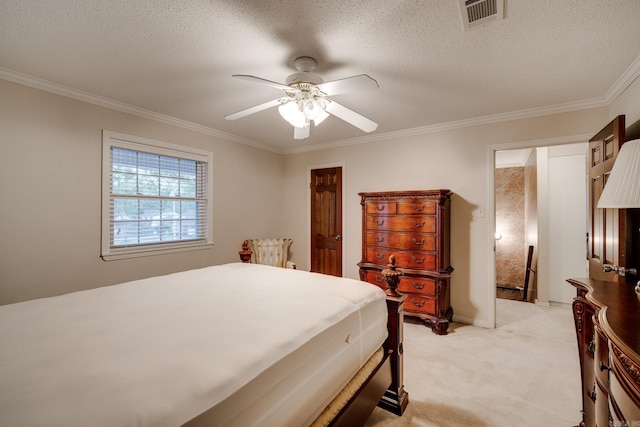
{"x": 516, "y": 218}
{"x": 548, "y": 185}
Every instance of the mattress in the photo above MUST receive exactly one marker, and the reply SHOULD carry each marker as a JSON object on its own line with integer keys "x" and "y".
{"x": 241, "y": 344}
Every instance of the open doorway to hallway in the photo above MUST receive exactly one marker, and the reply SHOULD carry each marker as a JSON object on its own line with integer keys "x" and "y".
{"x": 516, "y": 224}
{"x": 540, "y": 203}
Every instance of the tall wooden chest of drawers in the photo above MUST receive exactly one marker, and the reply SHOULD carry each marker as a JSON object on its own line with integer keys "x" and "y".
{"x": 414, "y": 226}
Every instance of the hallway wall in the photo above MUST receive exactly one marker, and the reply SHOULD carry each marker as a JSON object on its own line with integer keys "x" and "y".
{"x": 510, "y": 226}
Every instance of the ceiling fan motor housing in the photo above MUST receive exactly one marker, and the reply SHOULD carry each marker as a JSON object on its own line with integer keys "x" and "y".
{"x": 305, "y": 65}
{"x": 304, "y": 77}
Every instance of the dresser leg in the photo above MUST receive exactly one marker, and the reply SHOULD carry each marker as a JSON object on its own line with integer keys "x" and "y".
{"x": 440, "y": 327}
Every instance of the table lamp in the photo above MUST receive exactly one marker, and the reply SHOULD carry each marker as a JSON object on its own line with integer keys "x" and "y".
{"x": 622, "y": 189}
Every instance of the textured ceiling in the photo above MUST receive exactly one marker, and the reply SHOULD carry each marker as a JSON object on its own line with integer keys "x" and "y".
{"x": 176, "y": 58}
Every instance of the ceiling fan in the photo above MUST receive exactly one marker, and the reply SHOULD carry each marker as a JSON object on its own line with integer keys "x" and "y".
{"x": 306, "y": 98}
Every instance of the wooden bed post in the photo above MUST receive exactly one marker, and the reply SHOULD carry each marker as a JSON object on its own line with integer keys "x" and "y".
{"x": 395, "y": 399}
{"x": 245, "y": 253}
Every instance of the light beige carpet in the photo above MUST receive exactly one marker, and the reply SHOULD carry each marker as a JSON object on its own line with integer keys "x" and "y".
{"x": 525, "y": 372}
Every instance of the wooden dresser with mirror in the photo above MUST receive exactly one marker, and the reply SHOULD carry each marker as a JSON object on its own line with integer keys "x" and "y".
{"x": 606, "y": 308}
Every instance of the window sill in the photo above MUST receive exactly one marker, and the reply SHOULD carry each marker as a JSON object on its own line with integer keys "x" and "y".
{"x": 117, "y": 254}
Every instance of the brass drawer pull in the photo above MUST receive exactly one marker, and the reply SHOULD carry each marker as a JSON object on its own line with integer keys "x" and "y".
{"x": 379, "y": 279}
{"x": 380, "y": 222}
{"x": 418, "y": 225}
{"x": 380, "y": 208}
{"x": 418, "y": 286}
{"x": 418, "y": 208}
{"x": 417, "y": 303}
{"x": 379, "y": 239}
{"x": 420, "y": 243}
{"x": 379, "y": 255}
{"x": 417, "y": 261}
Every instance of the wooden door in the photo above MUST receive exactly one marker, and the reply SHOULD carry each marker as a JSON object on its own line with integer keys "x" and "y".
{"x": 326, "y": 221}
{"x": 607, "y": 237}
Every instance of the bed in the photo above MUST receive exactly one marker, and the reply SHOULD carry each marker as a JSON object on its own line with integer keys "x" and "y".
{"x": 230, "y": 345}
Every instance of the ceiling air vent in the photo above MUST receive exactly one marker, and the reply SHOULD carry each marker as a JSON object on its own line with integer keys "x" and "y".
{"x": 477, "y": 12}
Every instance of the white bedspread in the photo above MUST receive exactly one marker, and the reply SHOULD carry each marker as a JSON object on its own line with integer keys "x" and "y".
{"x": 159, "y": 351}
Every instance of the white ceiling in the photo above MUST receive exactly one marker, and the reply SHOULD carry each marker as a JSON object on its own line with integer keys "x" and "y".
{"x": 176, "y": 58}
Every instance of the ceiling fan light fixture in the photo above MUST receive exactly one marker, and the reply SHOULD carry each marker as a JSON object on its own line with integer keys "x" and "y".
{"x": 314, "y": 110}
{"x": 302, "y": 111}
{"x": 306, "y": 98}
{"x": 292, "y": 114}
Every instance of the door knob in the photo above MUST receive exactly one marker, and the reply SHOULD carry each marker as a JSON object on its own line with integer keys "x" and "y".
{"x": 622, "y": 271}
{"x": 338, "y": 237}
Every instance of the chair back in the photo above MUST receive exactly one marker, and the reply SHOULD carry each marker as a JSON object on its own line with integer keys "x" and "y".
{"x": 273, "y": 252}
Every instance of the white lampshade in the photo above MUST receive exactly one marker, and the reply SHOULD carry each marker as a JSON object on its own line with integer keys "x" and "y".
{"x": 302, "y": 110}
{"x": 622, "y": 189}
{"x": 314, "y": 110}
{"x": 291, "y": 113}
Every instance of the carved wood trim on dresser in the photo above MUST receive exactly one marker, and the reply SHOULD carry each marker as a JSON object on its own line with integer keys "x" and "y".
{"x": 607, "y": 315}
{"x": 413, "y": 226}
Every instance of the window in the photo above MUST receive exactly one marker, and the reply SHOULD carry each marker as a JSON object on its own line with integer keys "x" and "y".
{"x": 155, "y": 197}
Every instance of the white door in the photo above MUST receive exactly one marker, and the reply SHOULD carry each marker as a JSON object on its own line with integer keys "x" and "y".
{"x": 567, "y": 220}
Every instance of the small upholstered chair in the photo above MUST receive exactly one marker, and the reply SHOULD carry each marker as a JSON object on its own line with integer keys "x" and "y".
{"x": 273, "y": 252}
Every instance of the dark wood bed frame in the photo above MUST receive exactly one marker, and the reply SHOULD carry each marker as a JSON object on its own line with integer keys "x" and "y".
{"x": 385, "y": 385}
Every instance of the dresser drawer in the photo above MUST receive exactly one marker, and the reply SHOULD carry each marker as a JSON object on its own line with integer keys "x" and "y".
{"x": 624, "y": 384}
{"x": 421, "y": 261}
{"x": 420, "y": 224}
{"x": 416, "y": 207}
{"x": 388, "y": 208}
{"x": 624, "y": 404}
{"x": 407, "y": 285}
{"x": 420, "y": 304}
{"x": 601, "y": 358}
{"x": 412, "y": 241}
{"x": 375, "y": 277}
{"x": 417, "y": 285}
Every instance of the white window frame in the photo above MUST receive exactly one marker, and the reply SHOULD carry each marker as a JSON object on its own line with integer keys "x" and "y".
{"x": 114, "y": 139}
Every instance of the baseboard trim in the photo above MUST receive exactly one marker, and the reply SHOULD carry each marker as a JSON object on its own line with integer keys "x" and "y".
{"x": 473, "y": 322}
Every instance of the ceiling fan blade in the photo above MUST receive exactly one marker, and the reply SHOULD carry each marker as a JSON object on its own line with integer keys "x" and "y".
{"x": 261, "y": 81}
{"x": 348, "y": 84}
{"x": 300, "y": 133}
{"x": 350, "y": 116}
{"x": 257, "y": 108}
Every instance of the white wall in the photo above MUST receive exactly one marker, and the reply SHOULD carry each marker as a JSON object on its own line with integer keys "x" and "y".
{"x": 456, "y": 159}
{"x": 627, "y": 103}
{"x": 50, "y": 171}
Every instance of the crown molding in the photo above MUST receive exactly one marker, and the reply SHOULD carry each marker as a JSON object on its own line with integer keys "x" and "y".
{"x": 632, "y": 72}
{"x": 624, "y": 81}
{"x": 58, "y": 89}
{"x": 477, "y": 121}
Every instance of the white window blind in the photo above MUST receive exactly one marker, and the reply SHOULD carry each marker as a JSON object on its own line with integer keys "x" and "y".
{"x": 155, "y": 197}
